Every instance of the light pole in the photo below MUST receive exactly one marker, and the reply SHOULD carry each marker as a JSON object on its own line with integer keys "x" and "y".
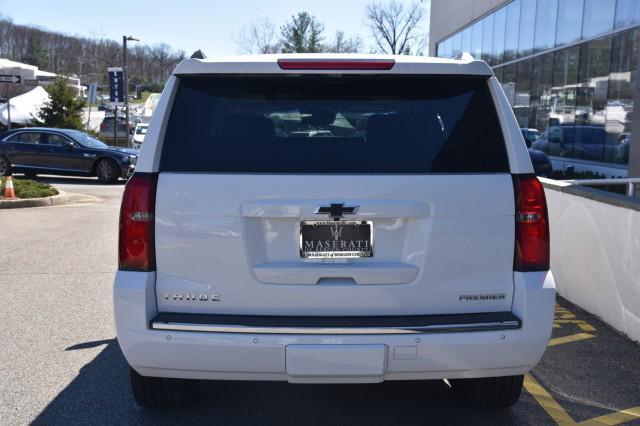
{"x": 126, "y": 84}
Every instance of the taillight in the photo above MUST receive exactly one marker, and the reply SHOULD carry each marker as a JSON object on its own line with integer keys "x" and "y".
{"x": 532, "y": 225}
{"x": 336, "y": 64}
{"x": 137, "y": 240}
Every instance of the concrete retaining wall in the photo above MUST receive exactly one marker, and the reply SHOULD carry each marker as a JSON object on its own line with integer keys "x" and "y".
{"x": 595, "y": 252}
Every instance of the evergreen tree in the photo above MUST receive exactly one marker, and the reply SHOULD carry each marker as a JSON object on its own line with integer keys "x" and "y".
{"x": 303, "y": 34}
{"x": 64, "y": 110}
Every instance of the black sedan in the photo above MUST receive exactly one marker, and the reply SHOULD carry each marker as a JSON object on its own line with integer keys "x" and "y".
{"x": 39, "y": 150}
{"x": 541, "y": 163}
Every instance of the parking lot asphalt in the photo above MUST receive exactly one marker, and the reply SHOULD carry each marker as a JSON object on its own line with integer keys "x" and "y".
{"x": 60, "y": 362}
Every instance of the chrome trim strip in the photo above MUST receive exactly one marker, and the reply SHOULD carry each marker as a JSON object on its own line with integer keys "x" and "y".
{"x": 438, "y": 328}
{"x": 23, "y": 166}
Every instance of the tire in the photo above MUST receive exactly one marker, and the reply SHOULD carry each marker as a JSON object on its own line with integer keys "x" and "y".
{"x": 107, "y": 171}
{"x": 5, "y": 166}
{"x": 160, "y": 392}
{"x": 488, "y": 392}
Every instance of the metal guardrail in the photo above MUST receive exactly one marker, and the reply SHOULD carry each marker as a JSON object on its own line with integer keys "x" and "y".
{"x": 631, "y": 183}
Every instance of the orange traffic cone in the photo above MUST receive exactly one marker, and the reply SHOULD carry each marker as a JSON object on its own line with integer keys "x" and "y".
{"x": 9, "y": 193}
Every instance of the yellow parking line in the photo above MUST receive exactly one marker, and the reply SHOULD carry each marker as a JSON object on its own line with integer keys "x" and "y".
{"x": 587, "y": 327}
{"x": 564, "y": 316}
{"x": 569, "y": 339}
{"x": 547, "y": 402}
{"x": 614, "y": 418}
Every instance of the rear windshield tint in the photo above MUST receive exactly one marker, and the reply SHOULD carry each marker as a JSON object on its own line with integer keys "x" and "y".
{"x": 338, "y": 124}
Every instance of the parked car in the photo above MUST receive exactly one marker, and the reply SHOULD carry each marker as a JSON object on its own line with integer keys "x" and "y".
{"x": 530, "y": 135}
{"x": 121, "y": 137}
{"x": 541, "y": 163}
{"x": 333, "y": 219}
{"x": 41, "y": 150}
{"x": 622, "y": 151}
{"x": 139, "y": 134}
{"x": 583, "y": 142}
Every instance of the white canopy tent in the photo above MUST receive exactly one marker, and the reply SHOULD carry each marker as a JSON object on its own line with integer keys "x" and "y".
{"x": 24, "y": 107}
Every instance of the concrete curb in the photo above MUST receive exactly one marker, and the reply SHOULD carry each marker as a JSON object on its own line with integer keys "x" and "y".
{"x": 54, "y": 200}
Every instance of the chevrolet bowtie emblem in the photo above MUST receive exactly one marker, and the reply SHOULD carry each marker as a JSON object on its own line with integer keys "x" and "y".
{"x": 337, "y": 210}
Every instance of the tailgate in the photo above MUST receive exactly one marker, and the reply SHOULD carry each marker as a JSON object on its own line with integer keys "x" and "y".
{"x": 436, "y": 239}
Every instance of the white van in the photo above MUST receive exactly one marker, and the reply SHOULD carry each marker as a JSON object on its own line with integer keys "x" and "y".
{"x": 333, "y": 219}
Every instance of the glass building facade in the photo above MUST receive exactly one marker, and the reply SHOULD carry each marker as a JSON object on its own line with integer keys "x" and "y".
{"x": 568, "y": 69}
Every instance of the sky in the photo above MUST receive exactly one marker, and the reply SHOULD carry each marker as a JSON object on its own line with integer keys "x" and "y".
{"x": 185, "y": 24}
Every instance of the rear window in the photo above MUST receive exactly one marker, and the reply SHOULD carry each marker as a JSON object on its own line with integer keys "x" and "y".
{"x": 334, "y": 124}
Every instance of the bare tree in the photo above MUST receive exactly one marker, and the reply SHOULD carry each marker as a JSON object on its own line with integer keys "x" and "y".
{"x": 396, "y": 28}
{"x": 343, "y": 44}
{"x": 260, "y": 36}
{"x": 85, "y": 57}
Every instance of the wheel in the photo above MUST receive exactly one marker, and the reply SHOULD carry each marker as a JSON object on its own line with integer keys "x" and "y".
{"x": 4, "y": 166}
{"x": 107, "y": 171}
{"x": 488, "y": 392}
{"x": 160, "y": 392}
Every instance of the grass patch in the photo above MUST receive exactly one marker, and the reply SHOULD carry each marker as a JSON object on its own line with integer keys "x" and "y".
{"x": 26, "y": 188}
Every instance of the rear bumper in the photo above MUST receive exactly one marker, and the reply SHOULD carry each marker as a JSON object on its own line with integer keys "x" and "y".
{"x": 289, "y": 356}
{"x": 381, "y": 325}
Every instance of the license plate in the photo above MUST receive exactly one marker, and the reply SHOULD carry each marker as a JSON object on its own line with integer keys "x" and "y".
{"x": 336, "y": 239}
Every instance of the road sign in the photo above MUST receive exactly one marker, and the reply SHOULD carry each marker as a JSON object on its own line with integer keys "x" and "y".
{"x": 9, "y": 78}
{"x": 116, "y": 86}
{"x": 91, "y": 94}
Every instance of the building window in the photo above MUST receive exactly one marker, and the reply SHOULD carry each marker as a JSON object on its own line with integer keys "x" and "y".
{"x": 456, "y": 44}
{"x": 546, "y": 14}
{"x": 446, "y": 48}
{"x": 522, "y": 100}
{"x": 513, "y": 25}
{"x": 569, "y": 25}
{"x": 476, "y": 40}
{"x": 562, "y": 104}
{"x": 541, "y": 84}
{"x": 619, "y": 109}
{"x": 591, "y": 141}
{"x": 487, "y": 39}
{"x": 598, "y": 17}
{"x": 527, "y": 27}
{"x": 466, "y": 40}
{"x": 498, "y": 73}
{"x": 499, "y": 23}
{"x": 509, "y": 82}
{"x": 627, "y": 13}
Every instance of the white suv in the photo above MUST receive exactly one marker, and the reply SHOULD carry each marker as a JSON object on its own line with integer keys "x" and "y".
{"x": 333, "y": 219}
